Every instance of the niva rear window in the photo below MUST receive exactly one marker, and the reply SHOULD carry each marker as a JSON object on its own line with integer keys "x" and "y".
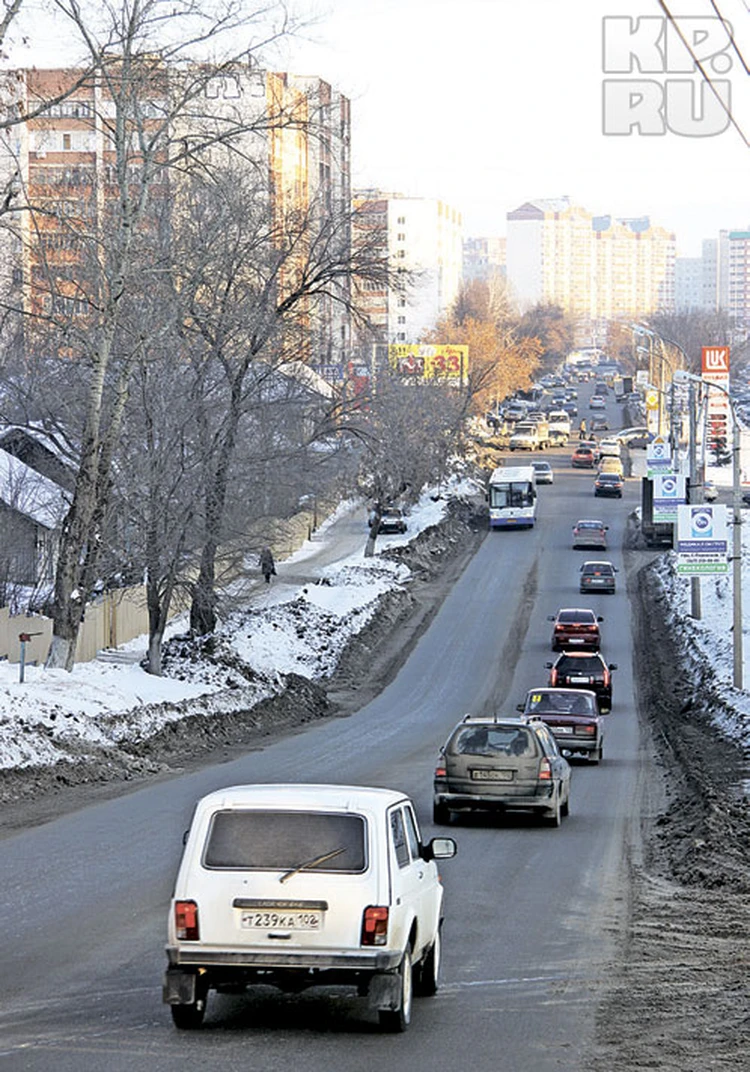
{"x": 284, "y": 840}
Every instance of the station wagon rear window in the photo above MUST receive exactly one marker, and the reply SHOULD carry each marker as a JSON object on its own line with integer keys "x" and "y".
{"x": 254, "y": 840}
{"x": 494, "y": 741}
{"x": 566, "y": 702}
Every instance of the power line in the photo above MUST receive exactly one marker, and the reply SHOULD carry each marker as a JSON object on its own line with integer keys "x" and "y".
{"x": 704, "y": 73}
{"x": 730, "y": 33}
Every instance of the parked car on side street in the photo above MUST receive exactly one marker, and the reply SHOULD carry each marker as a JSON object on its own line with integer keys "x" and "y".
{"x": 609, "y": 484}
{"x": 584, "y": 670}
{"x": 590, "y": 532}
{"x": 392, "y": 520}
{"x": 305, "y": 885}
{"x": 598, "y": 577}
{"x": 574, "y": 718}
{"x": 498, "y": 765}
{"x": 575, "y": 627}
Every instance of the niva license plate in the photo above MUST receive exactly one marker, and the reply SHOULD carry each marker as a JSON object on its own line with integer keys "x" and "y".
{"x": 271, "y": 920}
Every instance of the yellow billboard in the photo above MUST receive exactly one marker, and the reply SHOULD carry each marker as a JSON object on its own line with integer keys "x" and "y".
{"x": 438, "y": 361}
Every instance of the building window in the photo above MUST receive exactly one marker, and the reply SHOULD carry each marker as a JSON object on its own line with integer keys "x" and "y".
{"x": 402, "y": 320}
{"x": 401, "y": 237}
{"x": 401, "y": 336}
{"x": 66, "y": 141}
{"x": 402, "y": 253}
{"x": 402, "y": 302}
{"x": 401, "y": 219}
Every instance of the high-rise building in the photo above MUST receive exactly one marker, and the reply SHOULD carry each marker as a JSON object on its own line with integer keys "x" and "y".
{"x": 420, "y": 236}
{"x": 63, "y": 162}
{"x": 594, "y": 267}
{"x": 484, "y": 259}
{"x": 739, "y": 277}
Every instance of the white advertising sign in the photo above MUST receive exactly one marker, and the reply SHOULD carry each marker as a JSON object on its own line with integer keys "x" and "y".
{"x": 702, "y": 539}
{"x": 658, "y": 457}
{"x": 669, "y": 493}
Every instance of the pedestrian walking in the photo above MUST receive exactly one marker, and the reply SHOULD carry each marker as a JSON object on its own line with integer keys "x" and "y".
{"x": 267, "y": 565}
{"x": 582, "y": 427}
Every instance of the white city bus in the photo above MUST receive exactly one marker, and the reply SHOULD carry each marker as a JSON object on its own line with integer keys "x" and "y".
{"x": 512, "y": 497}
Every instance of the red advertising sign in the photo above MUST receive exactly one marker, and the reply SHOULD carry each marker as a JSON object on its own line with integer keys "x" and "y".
{"x": 715, "y": 359}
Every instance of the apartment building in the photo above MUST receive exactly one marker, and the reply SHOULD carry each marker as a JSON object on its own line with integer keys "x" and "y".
{"x": 63, "y": 163}
{"x": 594, "y": 267}
{"x": 739, "y": 277}
{"x": 421, "y": 238}
{"x": 484, "y": 258}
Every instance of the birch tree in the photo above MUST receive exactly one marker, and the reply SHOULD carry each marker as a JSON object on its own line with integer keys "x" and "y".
{"x": 149, "y": 103}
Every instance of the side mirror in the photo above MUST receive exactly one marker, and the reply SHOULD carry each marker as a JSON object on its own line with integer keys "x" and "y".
{"x": 440, "y": 848}
{"x": 520, "y": 707}
{"x": 613, "y": 666}
{"x": 549, "y": 665}
{"x": 185, "y": 836}
{"x": 600, "y": 619}
{"x": 550, "y": 617}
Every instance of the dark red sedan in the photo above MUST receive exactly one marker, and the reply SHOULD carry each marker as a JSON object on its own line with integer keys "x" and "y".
{"x": 573, "y": 717}
{"x": 575, "y": 627}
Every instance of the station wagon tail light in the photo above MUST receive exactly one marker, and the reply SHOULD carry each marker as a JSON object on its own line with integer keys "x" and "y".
{"x": 553, "y": 677}
{"x": 606, "y": 677}
{"x": 186, "y": 921}
{"x": 545, "y": 771}
{"x": 374, "y": 925}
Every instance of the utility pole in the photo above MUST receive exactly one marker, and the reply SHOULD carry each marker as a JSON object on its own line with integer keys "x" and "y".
{"x": 696, "y": 609}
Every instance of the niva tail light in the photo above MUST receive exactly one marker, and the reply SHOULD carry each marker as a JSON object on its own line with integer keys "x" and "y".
{"x": 374, "y": 925}
{"x": 186, "y": 921}
{"x": 440, "y": 768}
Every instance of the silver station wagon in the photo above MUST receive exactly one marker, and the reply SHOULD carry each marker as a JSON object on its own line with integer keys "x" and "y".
{"x": 306, "y": 885}
{"x": 505, "y": 764}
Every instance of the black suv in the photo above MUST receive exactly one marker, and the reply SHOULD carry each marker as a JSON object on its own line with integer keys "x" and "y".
{"x": 584, "y": 670}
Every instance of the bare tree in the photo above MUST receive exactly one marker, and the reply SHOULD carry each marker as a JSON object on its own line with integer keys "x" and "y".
{"x": 408, "y": 431}
{"x": 252, "y": 283}
{"x": 154, "y": 113}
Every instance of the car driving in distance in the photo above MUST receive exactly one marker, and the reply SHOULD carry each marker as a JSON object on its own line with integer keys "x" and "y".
{"x": 583, "y": 458}
{"x": 599, "y": 424}
{"x": 573, "y": 717}
{"x": 598, "y": 576}
{"x": 498, "y": 765}
{"x": 543, "y": 473}
{"x": 575, "y": 627}
{"x": 609, "y": 484}
{"x": 597, "y": 402}
{"x": 297, "y": 885}
{"x": 584, "y": 670}
{"x": 590, "y": 532}
{"x": 609, "y": 447}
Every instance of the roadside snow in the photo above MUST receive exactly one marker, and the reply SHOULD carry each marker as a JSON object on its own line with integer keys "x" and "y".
{"x": 707, "y": 644}
{"x": 287, "y": 629}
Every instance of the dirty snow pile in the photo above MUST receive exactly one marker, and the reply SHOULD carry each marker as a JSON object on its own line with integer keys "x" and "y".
{"x": 707, "y": 644}
{"x": 284, "y": 628}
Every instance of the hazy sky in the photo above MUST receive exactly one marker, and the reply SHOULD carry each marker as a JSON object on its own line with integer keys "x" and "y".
{"x": 488, "y": 103}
